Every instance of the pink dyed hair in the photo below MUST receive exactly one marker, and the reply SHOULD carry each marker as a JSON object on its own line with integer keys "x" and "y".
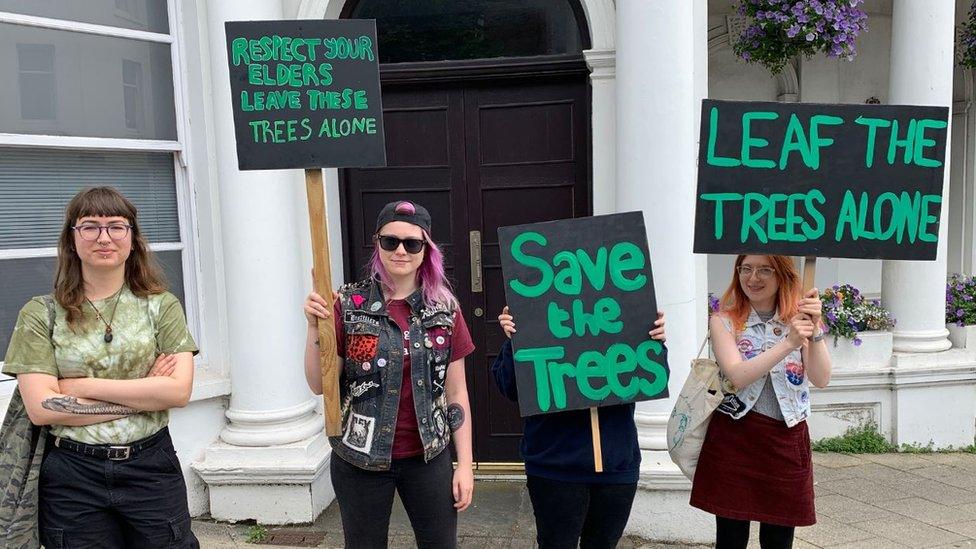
{"x": 433, "y": 282}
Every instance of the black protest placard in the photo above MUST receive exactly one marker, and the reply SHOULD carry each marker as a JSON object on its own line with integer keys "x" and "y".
{"x": 582, "y": 295}
{"x": 305, "y": 94}
{"x": 859, "y": 181}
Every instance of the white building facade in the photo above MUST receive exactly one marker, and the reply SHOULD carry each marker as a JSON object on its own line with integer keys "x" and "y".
{"x": 135, "y": 93}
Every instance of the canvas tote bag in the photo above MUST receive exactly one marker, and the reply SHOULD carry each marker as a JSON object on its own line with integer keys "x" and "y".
{"x": 700, "y": 396}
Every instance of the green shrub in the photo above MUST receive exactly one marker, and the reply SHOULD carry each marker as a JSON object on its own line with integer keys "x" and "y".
{"x": 857, "y": 440}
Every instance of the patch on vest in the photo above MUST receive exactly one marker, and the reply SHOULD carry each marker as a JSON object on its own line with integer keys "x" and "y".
{"x": 365, "y": 387}
{"x": 731, "y": 405}
{"x": 361, "y": 347}
{"x": 359, "y": 432}
{"x": 356, "y": 317}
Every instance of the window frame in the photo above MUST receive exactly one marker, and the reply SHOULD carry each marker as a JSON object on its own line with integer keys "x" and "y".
{"x": 179, "y": 149}
{"x": 54, "y": 83}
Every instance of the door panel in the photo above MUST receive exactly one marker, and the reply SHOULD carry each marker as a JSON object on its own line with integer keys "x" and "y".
{"x": 479, "y": 155}
{"x": 527, "y": 160}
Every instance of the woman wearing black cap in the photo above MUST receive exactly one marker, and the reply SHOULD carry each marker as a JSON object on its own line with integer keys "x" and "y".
{"x": 403, "y": 342}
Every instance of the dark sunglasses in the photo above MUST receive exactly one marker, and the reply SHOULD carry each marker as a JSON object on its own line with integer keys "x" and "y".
{"x": 391, "y": 243}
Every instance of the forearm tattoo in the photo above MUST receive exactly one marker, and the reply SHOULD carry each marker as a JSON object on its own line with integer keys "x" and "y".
{"x": 455, "y": 416}
{"x": 70, "y": 405}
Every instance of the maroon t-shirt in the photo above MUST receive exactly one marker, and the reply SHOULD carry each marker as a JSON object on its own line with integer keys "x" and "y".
{"x": 406, "y": 438}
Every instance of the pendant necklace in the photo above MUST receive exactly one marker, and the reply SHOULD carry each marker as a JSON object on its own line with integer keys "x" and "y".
{"x": 108, "y": 325}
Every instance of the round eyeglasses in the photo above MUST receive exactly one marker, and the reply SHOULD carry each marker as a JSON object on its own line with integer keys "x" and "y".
{"x": 90, "y": 233}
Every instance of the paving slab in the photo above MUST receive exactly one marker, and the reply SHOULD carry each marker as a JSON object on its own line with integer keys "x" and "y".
{"x": 834, "y": 460}
{"x": 848, "y": 510}
{"x": 904, "y": 462}
{"x": 926, "y": 511}
{"x": 829, "y": 531}
{"x": 910, "y": 532}
{"x": 864, "y": 490}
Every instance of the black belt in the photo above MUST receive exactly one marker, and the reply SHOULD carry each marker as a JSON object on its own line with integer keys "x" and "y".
{"x": 111, "y": 452}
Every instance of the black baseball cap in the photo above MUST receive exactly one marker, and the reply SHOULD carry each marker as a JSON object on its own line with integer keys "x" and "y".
{"x": 405, "y": 211}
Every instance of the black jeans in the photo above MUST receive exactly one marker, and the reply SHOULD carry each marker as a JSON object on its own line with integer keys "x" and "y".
{"x": 366, "y": 500}
{"x": 734, "y": 534}
{"x": 590, "y": 515}
{"x": 93, "y": 502}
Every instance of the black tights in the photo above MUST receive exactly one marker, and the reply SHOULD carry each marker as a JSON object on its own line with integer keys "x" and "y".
{"x": 734, "y": 534}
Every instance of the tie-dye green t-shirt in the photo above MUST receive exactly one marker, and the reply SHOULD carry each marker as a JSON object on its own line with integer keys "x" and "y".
{"x": 141, "y": 330}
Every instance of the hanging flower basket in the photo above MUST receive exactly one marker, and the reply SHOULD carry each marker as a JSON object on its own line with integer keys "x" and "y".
{"x": 967, "y": 39}
{"x": 783, "y": 29}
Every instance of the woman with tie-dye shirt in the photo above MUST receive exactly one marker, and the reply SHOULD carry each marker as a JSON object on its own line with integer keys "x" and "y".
{"x": 755, "y": 463}
{"x": 101, "y": 361}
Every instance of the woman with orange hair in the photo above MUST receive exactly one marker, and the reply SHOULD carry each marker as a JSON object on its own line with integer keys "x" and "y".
{"x": 755, "y": 463}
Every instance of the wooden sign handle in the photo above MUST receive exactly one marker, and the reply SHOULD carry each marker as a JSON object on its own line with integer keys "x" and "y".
{"x": 809, "y": 272}
{"x": 322, "y": 284}
{"x": 597, "y": 449}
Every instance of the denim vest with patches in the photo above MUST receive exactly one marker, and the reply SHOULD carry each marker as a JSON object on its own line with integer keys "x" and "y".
{"x": 372, "y": 374}
{"x": 788, "y": 375}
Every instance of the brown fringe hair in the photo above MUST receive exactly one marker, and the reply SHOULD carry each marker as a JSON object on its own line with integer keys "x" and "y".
{"x": 143, "y": 274}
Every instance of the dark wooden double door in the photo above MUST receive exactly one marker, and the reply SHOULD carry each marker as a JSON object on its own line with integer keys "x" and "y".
{"x": 478, "y": 154}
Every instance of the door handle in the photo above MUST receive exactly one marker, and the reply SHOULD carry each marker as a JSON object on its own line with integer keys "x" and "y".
{"x": 474, "y": 241}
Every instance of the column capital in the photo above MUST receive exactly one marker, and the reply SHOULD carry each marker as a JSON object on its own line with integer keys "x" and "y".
{"x": 602, "y": 63}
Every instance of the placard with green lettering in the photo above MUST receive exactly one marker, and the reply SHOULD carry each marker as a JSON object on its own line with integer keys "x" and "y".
{"x": 305, "y": 93}
{"x": 582, "y": 295}
{"x": 860, "y": 181}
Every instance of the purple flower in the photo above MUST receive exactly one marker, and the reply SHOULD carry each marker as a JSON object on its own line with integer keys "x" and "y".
{"x": 810, "y": 37}
{"x": 960, "y": 313}
{"x": 793, "y": 31}
{"x": 857, "y": 342}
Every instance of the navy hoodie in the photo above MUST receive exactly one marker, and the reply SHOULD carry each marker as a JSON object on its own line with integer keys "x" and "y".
{"x": 559, "y": 446}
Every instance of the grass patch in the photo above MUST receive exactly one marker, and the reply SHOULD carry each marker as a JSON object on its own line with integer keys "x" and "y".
{"x": 857, "y": 440}
{"x": 256, "y": 533}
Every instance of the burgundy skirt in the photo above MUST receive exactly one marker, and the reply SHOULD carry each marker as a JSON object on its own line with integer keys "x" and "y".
{"x": 756, "y": 468}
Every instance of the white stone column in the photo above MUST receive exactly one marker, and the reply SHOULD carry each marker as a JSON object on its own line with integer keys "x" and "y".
{"x": 660, "y": 74}
{"x": 603, "y": 123}
{"x": 269, "y": 462}
{"x": 921, "y": 74}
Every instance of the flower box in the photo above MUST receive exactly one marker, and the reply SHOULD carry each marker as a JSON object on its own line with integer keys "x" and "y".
{"x": 962, "y": 337}
{"x": 874, "y": 351}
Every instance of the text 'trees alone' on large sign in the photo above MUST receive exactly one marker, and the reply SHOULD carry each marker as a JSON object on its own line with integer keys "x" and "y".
{"x": 582, "y": 296}
{"x": 306, "y": 94}
{"x": 859, "y": 181}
